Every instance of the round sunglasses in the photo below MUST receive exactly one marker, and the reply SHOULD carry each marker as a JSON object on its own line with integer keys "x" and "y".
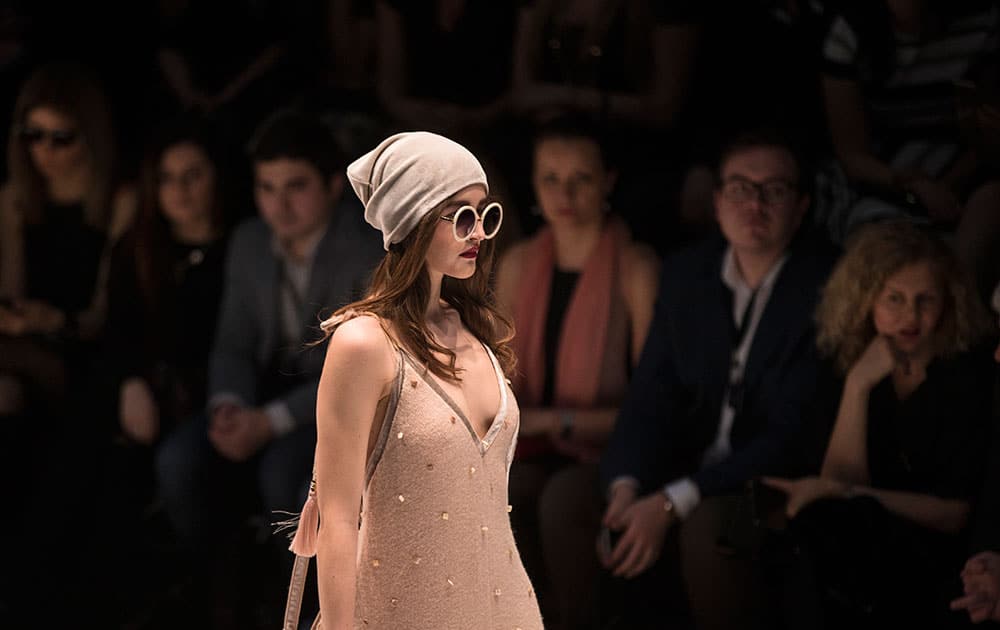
{"x": 464, "y": 220}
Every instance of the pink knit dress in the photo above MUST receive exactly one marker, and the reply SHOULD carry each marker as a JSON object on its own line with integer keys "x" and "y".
{"x": 436, "y": 549}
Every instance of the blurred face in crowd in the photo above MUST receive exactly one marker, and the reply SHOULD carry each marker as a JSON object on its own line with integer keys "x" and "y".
{"x": 757, "y": 204}
{"x": 293, "y": 197}
{"x": 570, "y": 180}
{"x": 187, "y": 184}
{"x": 908, "y": 308}
{"x": 54, "y": 142}
{"x": 448, "y": 255}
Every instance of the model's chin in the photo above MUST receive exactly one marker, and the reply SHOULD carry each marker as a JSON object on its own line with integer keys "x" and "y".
{"x": 464, "y": 271}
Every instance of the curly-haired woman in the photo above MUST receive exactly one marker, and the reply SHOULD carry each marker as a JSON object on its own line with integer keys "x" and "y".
{"x": 881, "y": 526}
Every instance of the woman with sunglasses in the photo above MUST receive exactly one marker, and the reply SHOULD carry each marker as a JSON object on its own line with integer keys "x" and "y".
{"x": 581, "y": 294}
{"x": 60, "y": 211}
{"x": 416, "y": 424}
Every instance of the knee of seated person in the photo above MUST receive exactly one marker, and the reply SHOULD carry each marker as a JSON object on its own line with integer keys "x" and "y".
{"x": 570, "y": 497}
{"x": 178, "y": 456}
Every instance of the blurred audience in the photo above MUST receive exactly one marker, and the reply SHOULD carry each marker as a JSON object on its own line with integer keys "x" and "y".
{"x": 881, "y": 529}
{"x": 721, "y": 389}
{"x": 61, "y": 211}
{"x": 889, "y": 85}
{"x": 308, "y": 251}
{"x": 581, "y": 295}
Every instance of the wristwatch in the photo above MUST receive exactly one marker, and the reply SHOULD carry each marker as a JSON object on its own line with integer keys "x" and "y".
{"x": 668, "y": 504}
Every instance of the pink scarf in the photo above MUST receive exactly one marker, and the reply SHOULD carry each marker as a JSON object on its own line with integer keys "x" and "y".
{"x": 585, "y": 326}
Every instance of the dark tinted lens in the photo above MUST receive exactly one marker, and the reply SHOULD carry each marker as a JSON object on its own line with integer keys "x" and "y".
{"x": 491, "y": 220}
{"x": 63, "y": 138}
{"x": 465, "y": 221}
{"x": 32, "y": 135}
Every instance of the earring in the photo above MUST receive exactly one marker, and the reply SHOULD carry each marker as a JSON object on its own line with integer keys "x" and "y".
{"x": 606, "y": 207}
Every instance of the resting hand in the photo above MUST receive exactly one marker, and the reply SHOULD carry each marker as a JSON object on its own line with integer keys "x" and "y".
{"x": 802, "y": 492}
{"x": 240, "y": 434}
{"x": 137, "y": 410}
{"x": 645, "y": 524}
{"x": 981, "y": 582}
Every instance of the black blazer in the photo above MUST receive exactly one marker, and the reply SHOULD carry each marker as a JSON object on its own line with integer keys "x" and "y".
{"x": 671, "y": 413}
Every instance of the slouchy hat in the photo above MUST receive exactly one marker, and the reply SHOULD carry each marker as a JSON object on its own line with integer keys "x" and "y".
{"x": 409, "y": 174}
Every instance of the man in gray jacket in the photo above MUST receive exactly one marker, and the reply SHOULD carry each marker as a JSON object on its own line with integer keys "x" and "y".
{"x": 308, "y": 253}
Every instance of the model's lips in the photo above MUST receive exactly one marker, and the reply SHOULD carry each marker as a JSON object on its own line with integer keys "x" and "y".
{"x": 566, "y": 211}
{"x": 472, "y": 252}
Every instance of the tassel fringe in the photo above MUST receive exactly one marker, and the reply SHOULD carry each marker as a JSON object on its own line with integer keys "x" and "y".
{"x": 306, "y": 526}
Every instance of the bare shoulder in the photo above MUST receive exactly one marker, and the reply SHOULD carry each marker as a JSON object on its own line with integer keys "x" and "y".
{"x": 360, "y": 345}
{"x": 509, "y": 271}
{"x": 640, "y": 266}
{"x": 124, "y": 206}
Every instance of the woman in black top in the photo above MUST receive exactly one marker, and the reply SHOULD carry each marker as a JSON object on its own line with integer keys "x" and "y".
{"x": 166, "y": 281}
{"x": 881, "y": 526}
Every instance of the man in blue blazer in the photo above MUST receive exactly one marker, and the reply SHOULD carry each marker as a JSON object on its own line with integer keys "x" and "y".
{"x": 308, "y": 252}
{"x": 722, "y": 388}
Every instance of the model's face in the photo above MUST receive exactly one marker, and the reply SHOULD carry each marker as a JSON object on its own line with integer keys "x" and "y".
{"x": 451, "y": 257}
{"x": 54, "y": 142}
{"x": 186, "y": 184}
{"x": 292, "y": 197}
{"x": 908, "y": 308}
{"x": 570, "y": 181}
{"x": 757, "y": 203}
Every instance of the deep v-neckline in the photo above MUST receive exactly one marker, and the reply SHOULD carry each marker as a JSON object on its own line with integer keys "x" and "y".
{"x": 483, "y": 443}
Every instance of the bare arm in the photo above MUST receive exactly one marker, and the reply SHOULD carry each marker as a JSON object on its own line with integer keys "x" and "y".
{"x": 178, "y": 77}
{"x": 848, "y": 125}
{"x": 847, "y": 454}
{"x": 945, "y": 515}
{"x": 357, "y": 371}
{"x": 11, "y": 246}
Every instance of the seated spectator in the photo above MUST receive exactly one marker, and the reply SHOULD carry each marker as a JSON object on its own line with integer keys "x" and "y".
{"x": 166, "y": 283}
{"x": 981, "y": 573}
{"x": 890, "y": 70}
{"x": 630, "y": 65}
{"x": 581, "y": 295}
{"x": 310, "y": 249}
{"x": 61, "y": 211}
{"x": 881, "y": 528}
{"x": 725, "y": 377}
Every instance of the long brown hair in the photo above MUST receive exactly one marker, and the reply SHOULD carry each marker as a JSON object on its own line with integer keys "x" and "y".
{"x": 74, "y": 92}
{"x": 400, "y": 289}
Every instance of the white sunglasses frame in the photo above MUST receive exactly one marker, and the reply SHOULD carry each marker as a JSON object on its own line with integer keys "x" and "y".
{"x": 453, "y": 219}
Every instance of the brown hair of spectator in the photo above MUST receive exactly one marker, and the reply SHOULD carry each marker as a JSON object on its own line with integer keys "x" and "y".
{"x": 874, "y": 253}
{"x": 400, "y": 289}
{"x": 769, "y": 136}
{"x": 151, "y": 236}
{"x": 74, "y": 92}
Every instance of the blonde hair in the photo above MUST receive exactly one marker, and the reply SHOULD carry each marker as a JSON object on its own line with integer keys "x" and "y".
{"x": 874, "y": 253}
{"x": 74, "y": 92}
